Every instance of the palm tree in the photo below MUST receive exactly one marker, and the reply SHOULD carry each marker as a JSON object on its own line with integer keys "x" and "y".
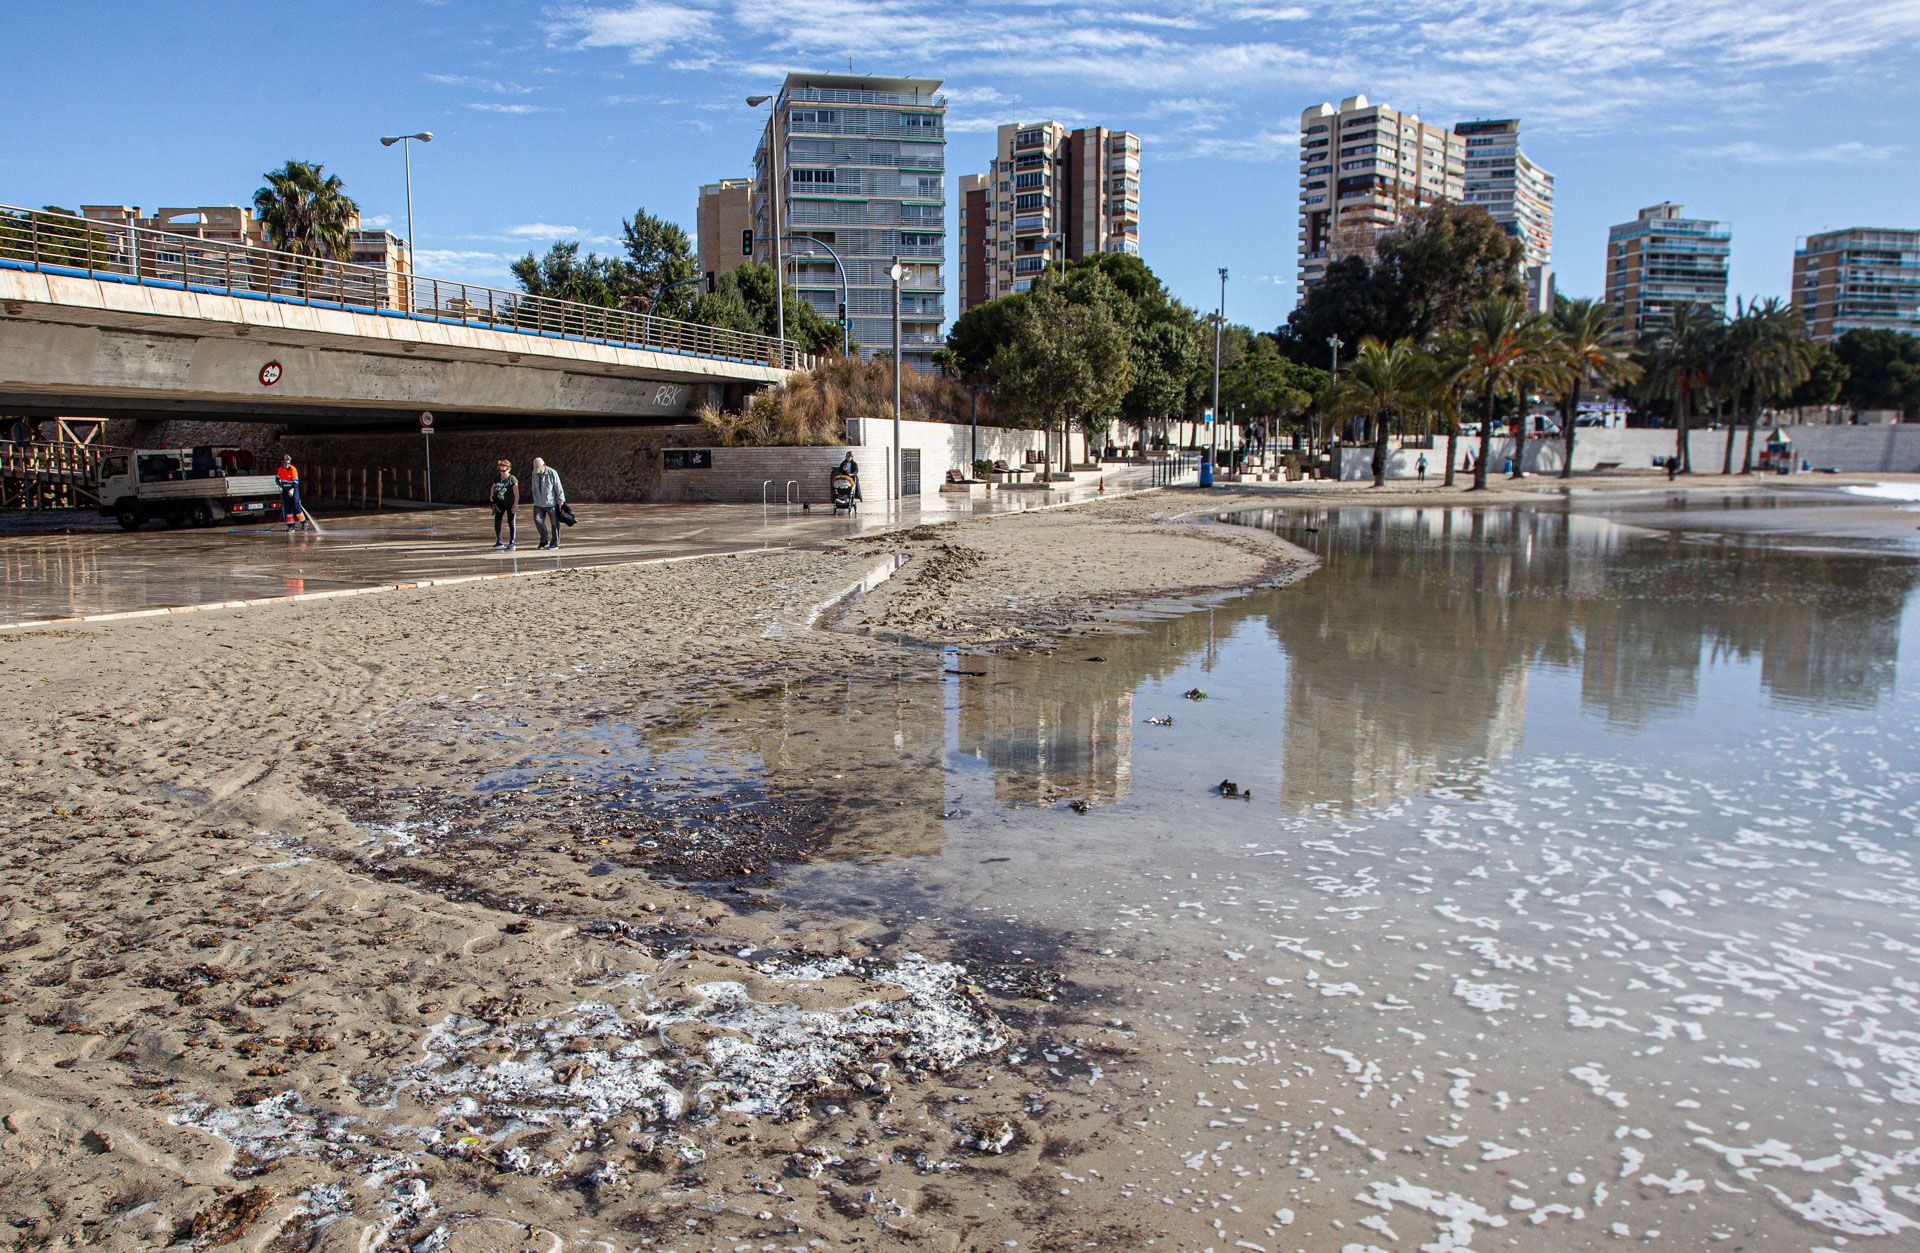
{"x": 1591, "y": 350}
{"x": 1681, "y": 356}
{"x": 1505, "y": 347}
{"x": 1449, "y": 373}
{"x": 1774, "y": 357}
{"x": 304, "y": 211}
{"x": 1384, "y": 383}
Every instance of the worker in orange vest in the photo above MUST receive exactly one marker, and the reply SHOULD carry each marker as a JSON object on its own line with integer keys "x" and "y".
{"x": 290, "y": 508}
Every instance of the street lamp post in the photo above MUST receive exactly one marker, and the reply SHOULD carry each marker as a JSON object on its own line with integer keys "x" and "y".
{"x": 1219, "y": 323}
{"x": 1335, "y": 343}
{"x": 1059, "y": 240}
{"x": 406, "y": 157}
{"x": 773, "y": 214}
{"x": 841, "y": 268}
{"x": 897, "y": 272}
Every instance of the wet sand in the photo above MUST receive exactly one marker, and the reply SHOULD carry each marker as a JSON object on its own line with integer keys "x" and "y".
{"x": 324, "y": 926}
{"x": 306, "y": 943}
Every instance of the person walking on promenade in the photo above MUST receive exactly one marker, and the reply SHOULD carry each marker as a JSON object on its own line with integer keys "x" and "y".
{"x": 290, "y": 508}
{"x": 548, "y": 496}
{"x": 1420, "y": 467}
{"x": 506, "y": 503}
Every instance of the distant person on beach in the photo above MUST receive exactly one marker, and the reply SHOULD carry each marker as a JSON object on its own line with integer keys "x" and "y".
{"x": 1420, "y": 467}
{"x": 506, "y": 503}
{"x": 848, "y": 468}
{"x": 1467, "y": 465}
{"x": 1673, "y": 467}
{"x": 290, "y": 508}
{"x": 548, "y": 496}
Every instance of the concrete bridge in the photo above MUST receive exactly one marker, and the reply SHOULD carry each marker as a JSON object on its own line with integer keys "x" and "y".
{"x": 116, "y": 321}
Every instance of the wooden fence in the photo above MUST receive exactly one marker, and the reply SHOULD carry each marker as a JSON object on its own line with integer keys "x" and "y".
{"x": 49, "y": 476}
{"x": 361, "y": 487}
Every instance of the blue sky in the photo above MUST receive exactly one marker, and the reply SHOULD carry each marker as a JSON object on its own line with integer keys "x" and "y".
{"x": 1781, "y": 116}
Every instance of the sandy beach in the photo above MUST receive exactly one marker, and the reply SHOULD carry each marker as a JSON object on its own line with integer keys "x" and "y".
{"x": 325, "y": 928}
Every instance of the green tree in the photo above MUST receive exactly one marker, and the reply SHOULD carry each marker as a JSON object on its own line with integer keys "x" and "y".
{"x": 1590, "y": 345}
{"x": 1503, "y": 347}
{"x": 1441, "y": 261}
{"x": 1826, "y": 378}
{"x": 1065, "y": 359}
{"x": 744, "y": 300}
{"x": 561, "y": 273}
{"x": 662, "y": 265}
{"x": 1883, "y": 371}
{"x": 1266, "y": 387}
{"x": 1386, "y": 384}
{"x": 306, "y": 211}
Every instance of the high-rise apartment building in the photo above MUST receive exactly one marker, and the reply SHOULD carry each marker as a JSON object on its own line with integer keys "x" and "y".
{"x": 1858, "y": 279}
{"x": 1660, "y": 260}
{"x": 1517, "y": 193}
{"x": 1363, "y": 167}
{"x": 862, "y": 165}
{"x": 1051, "y": 192}
{"x": 725, "y": 225}
{"x": 976, "y": 257}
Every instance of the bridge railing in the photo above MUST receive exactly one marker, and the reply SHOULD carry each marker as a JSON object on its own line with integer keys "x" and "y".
{"x": 60, "y": 243}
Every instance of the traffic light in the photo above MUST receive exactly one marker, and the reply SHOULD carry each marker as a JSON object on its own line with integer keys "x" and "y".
{"x": 710, "y": 282}
{"x": 843, "y": 315}
{"x": 746, "y": 242}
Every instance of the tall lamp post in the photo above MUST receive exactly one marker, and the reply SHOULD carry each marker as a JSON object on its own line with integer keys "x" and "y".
{"x": 406, "y": 156}
{"x": 1059, "y": 240}
{"x": 841, "y": 268}
{"x": 897, "y": 273}
{"x": 1213, "y": 427}
{"x": 1335, "y": 343}
{"x": 773, "y": 211}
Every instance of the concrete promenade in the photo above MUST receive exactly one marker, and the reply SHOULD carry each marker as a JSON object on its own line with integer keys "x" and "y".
{"x": 86, "y": 574}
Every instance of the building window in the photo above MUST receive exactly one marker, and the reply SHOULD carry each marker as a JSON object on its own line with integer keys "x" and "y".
{"x": 1027, "y": 181}
{"x": 813, "y": 176}
{"x": 811, "y": 117}
{"x": 919, "y": 239}
{"x": 1030, "y": 200}
{"x": 920, "y": 121}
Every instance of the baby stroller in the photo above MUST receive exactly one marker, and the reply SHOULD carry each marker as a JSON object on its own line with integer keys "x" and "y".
{"x": 844, "y": 489}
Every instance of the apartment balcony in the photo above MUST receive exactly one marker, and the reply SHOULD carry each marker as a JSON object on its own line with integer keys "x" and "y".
{"x": 839, "y": 95}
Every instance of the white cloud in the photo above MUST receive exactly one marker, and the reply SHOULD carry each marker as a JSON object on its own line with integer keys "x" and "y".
{"x": 644, "y": 28}
{"x": 487, "y": 106}
{"x": 1753, "y": 152}
{"x": 463, "y": 263}
{"x": 494, "y": 85}
{"x": 377, "y": 221}
{"x": 541, "y": 230}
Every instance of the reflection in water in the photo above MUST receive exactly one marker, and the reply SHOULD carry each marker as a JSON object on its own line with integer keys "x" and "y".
{"x": 1573, "y": 904}
{"x": 1405, "y": 663}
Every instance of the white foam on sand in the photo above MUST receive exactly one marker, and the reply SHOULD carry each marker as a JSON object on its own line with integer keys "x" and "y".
{"x": 1885, "y": 491}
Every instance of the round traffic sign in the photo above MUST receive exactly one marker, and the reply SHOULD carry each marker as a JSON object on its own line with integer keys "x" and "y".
{"x": 426, "y": 421}
{"x": 270, "y": 374}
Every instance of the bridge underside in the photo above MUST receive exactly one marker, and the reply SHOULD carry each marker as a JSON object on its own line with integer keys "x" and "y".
{"x": 77, "y": 346}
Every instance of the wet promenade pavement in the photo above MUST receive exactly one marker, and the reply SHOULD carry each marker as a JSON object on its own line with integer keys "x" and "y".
{"x": 95, "y": 571}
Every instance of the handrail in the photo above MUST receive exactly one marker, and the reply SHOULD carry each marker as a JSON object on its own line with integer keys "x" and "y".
{"x": 792, "y": 492}
{"x": 43, "y": 241}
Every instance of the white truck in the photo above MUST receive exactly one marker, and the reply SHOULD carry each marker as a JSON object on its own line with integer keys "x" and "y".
{"x": 201, "y": 485}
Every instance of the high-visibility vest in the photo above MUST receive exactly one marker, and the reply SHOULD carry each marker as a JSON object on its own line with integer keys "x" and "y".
{"x": 287, "y": 475}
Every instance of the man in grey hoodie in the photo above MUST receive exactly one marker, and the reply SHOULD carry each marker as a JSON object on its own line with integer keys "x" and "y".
{"x": 548, "y": 496}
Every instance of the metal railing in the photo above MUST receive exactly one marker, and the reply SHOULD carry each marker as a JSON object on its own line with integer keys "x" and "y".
{"x": 62, "y": 244}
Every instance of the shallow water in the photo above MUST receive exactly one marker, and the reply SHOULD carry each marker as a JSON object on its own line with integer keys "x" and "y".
{"x": 1574, "y": 898}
